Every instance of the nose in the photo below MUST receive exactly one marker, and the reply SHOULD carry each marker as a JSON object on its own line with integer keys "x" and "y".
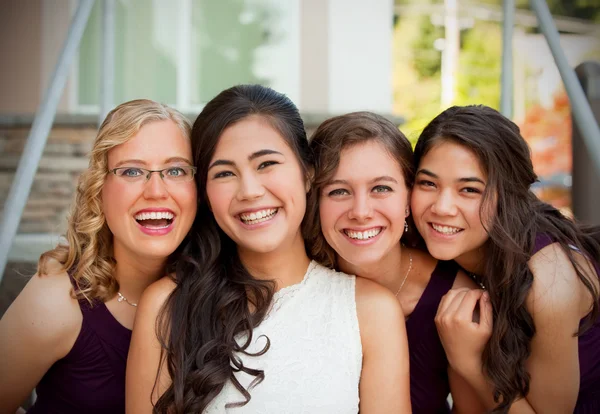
{"x": 251, "y": 188}
{"x": 155, "y": 187}
{"x": 361, "y": 208}
{"x": 444, "y": 204}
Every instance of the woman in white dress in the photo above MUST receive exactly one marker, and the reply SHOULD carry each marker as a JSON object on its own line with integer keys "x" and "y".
{"x": 248, "y": 323}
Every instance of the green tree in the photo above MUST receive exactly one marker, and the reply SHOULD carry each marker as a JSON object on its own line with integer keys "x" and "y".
{"x": 478, "y": 79}
{"x": 427, "y": 60}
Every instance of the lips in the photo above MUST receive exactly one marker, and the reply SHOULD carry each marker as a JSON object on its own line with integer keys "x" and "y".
{"x": 257, "y": 216}
{"x": 365, "y": 234}
{"x": 445, "y": 230}
{"x": 155, "y": 219}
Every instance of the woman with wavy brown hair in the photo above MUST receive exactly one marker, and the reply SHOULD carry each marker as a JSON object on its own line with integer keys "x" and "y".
{"x": 358, "y": 216}
{"x": 248, "y": 322}
{"x": 67, "y": 333}
{"x": 536, "y": 345}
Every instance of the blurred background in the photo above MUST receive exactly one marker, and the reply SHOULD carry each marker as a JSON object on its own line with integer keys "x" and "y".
{"x": 405, "y": 59}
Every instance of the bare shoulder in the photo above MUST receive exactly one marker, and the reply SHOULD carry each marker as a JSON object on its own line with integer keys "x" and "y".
{"x": 464, "y": 281}
{"x": 47, "y": 310}
{"x": 555, "y": 286}
{"x": 374, "y": 300}
{"x": 156, "y": 295}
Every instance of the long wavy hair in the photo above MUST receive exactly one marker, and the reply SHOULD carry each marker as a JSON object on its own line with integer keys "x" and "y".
{"x": 518, "y": 217}
{"x": 216, "y": 299}
{"x": 327, "y": 143}
{"x": 88, "y": 252}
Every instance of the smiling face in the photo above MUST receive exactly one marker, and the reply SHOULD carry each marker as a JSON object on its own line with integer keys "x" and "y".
{"x": 446, "y": 202}
{"x": 149, "y": 219}
{"x": 363, "y": 207}
{"x": 256, "y": 187}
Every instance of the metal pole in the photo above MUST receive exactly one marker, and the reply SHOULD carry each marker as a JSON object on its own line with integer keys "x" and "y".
{"x": 450, "y": 53}
{"x": 508, "y": 23}
{"x": 580, "y": 107}
{"x": 36, "y": 141}
{"x": 107, "y": 87}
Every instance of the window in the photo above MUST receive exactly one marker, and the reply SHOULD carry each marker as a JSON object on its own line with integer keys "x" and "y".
{"x": 183, "y": 52}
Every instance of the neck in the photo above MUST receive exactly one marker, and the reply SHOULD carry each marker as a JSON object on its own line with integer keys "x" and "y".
{"x": 473, "y": 261}
{"x": 135, "y": 275}
{"x": 386, "y": 272}
{"x": 285, "y": 265}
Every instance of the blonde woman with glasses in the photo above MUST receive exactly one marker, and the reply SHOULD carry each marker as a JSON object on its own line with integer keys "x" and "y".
{"x": 67, "y": 334}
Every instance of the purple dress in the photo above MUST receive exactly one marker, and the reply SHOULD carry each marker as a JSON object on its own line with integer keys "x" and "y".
{"x": 91, "y": 377}
{"x": 429, "y": 386}
{"x": 588, "y": 400}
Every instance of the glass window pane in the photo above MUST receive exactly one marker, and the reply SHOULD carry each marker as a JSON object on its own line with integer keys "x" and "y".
{"x": 225, "y": 42}
{"x": 243, "y": 41}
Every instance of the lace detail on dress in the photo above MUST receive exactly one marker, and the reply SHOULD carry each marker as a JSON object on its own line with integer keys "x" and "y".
{"x": 288, "y": 292}
{"x": 315, "y": 358}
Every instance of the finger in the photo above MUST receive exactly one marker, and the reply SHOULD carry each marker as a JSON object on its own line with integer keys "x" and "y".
{"x": 486, "y": 310}
{"x": 468, "y": 305}
{"x": 448, "y": 299}
{"x": 454, "y": 306}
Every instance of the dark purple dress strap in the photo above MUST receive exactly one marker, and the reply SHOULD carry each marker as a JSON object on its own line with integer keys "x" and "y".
{"x": 541, "y": 240}
{"x": 429, "y": 386}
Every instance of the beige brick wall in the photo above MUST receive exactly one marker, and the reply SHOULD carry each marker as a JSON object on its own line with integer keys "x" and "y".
{"x": 64, "y": 157}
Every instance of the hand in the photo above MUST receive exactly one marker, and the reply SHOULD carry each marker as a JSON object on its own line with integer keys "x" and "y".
{"x": 463, "y": 333}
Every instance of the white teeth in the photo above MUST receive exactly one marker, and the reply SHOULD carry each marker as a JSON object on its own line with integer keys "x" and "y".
{"x": 445, "y": 229}
{"x": 363, "y": 235}
{"x": 155, "y": 215}
{"x": 258, "y": 216}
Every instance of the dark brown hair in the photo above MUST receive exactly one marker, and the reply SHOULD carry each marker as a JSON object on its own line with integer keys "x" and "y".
{"x": 209, "y": 308}
{"x": 518, "y": 218}
{"x": 327, "y": 143}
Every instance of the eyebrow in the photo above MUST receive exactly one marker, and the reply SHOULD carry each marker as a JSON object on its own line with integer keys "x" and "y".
{"x": 460, "y": 180}
{"x": 167, "y": 161}
{"x": 374, "y": 180}
{"x": 253, "y": 156}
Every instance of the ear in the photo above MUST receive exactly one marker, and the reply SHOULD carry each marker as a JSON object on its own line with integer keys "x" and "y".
{"x": 407, "y": 211}
{"x": 310, "y": 175}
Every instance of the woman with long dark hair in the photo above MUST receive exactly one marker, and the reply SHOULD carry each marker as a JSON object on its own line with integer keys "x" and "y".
{"x": 359, "y": 212}
{"x": 248, "y": 321}
{"x": 535, "y": 347}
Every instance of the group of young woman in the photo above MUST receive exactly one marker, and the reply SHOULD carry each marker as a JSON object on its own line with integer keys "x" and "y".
{"x": 271, "y": 273}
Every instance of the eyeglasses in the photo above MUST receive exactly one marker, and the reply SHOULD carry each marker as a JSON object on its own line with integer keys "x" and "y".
{"x": 170, "y": 174}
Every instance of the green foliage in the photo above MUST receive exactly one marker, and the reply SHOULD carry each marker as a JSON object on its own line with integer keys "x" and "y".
{"x": 427, "y": 60}
{"x": 478, "y": 79}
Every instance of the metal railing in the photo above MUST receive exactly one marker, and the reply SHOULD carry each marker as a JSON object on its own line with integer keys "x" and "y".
{"x": 38, "y": 135}
{"x": 582, "y": 112}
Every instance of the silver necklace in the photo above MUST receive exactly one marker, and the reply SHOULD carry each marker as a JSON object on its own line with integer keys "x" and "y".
{"x": 406, "y": 275}
{"x": 124, "y": 299}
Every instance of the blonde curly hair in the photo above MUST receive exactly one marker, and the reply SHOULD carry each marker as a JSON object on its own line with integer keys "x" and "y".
{"x": 88, "y": 252}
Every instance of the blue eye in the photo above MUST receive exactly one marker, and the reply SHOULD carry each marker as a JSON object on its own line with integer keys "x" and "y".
{"x": 176, "y": 172}
{"x": 130, "y": 172}
{"x": 338, "y": 192}
{"x": 382, "y": 189}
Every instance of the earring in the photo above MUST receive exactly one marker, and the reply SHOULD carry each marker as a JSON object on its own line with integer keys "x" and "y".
{"x": 405, "y": 227}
